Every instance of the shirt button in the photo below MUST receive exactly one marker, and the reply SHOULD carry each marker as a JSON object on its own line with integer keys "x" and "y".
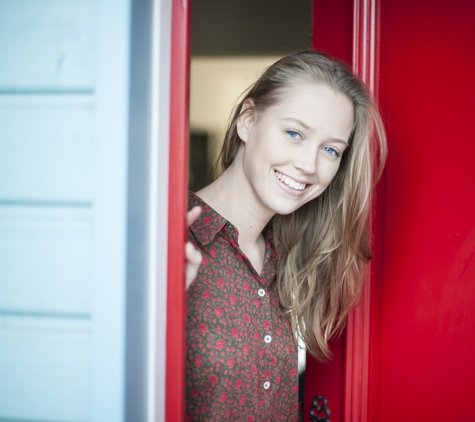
{"x": 261, "y": 292}
{"x": 266, "y": 385}
{"x": 267, "y": 338}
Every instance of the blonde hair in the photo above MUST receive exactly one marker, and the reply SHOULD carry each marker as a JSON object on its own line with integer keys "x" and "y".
{"x": 323, "y": 245}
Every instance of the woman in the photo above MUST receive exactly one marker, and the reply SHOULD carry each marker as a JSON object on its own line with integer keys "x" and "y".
{"x": 283, "y": 236}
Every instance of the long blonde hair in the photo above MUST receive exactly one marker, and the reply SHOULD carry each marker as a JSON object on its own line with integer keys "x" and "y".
{"x": 323, "y": 245}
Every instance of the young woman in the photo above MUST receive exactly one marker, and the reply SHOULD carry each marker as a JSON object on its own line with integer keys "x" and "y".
{"x": 283, "y": 236}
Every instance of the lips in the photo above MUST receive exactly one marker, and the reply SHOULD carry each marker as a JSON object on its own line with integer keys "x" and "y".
{"x": 291, "y": 183}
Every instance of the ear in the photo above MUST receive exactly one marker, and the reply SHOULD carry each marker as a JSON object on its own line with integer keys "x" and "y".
{"x": 245, "y": 120}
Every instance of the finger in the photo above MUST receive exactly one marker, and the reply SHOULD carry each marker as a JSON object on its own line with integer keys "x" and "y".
{"x": 193, "y": 255}
{"x": 192, "y": 215}
{"x": 193, "y": 261}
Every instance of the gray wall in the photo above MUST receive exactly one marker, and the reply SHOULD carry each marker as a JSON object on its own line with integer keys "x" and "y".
{"x": 250, "y": 27}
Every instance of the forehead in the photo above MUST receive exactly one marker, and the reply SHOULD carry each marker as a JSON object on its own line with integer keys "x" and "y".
{"x": 319, "y": 106}
{"x": 303, "y": 88}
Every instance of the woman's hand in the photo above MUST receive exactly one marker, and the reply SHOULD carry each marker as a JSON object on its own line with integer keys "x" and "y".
{"x": 193, "y": 256}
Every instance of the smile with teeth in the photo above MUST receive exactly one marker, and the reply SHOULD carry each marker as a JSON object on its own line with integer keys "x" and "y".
{"x": 291, "y": 183}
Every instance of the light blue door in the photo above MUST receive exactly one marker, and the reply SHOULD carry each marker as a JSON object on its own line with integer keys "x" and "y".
{"x": 63, "y": 186}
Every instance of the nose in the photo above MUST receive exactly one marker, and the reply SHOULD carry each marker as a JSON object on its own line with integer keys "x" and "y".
{"x": 306, "y": 161}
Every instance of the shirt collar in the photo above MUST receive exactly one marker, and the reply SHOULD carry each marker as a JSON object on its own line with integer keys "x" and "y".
{"x": 208, "y": 224}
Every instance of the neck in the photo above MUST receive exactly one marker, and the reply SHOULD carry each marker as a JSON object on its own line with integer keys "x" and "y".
{"x": 232, "y": 197}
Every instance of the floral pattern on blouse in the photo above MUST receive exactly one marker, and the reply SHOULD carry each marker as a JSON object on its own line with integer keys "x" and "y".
{"x": 241, "y": 360}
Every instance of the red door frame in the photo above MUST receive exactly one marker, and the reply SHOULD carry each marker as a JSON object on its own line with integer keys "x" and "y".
{"x": 362, "y": 328}
{"x": 177, "y": 206}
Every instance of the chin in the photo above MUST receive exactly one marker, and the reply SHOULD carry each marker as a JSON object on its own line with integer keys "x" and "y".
{"x": 286, "y": 210}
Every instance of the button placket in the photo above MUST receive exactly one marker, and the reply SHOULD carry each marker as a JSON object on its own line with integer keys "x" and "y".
{"x": 266, "y": 367}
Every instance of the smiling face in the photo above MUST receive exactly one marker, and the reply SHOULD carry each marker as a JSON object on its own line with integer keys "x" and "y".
{"x": 292, "y": 150}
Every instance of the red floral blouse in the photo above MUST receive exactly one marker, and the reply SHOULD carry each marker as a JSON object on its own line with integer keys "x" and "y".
{"x": 241, "y": 360}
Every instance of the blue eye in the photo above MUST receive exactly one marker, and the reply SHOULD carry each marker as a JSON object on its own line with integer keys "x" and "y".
{"x": 331, "y": 151}
{"x": 293, "y": 134}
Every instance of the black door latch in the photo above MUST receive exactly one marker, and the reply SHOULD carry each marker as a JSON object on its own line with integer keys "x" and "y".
{"x": 320, "y": 412}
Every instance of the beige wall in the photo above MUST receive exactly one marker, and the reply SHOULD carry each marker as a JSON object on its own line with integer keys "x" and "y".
{"x": 216, "y": 85}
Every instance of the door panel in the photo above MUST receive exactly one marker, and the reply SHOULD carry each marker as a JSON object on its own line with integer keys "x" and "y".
{"x": 429, "y": 266}
{"x": 29, "y": 129}
{"x": 44, "y": 368}
{"x": 39, "y": 273}
{"x": 48, "y": 45}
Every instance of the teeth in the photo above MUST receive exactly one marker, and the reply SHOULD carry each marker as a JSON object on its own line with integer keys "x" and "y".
{"x": 290, "y": 182}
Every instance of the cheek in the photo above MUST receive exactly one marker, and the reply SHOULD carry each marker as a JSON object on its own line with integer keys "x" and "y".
{"x": 263, "y": 153}
{"x": 327, "y": 171}
{"x": 253, "y": 160}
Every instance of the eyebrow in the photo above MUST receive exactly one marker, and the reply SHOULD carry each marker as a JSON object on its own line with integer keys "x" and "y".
{"x": 307, "y": 127}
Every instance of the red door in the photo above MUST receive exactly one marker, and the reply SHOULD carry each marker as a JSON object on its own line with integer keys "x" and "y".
{"x": 428, "y": 336}
{"x": 416, "y": 323}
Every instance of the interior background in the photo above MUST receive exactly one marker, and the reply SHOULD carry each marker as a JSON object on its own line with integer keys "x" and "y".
{"x": 232, "y": 42}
